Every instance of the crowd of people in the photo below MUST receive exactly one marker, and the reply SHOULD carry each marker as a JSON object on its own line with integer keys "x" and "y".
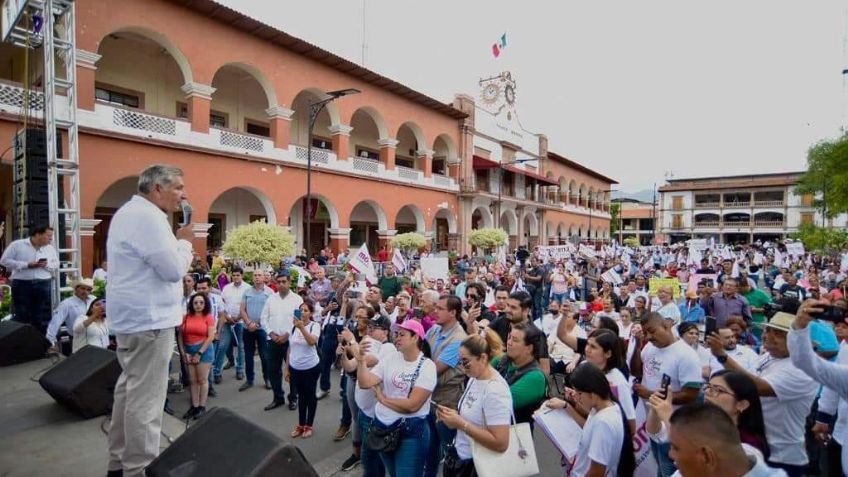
{"x": 736, "y": 355}
{"x": 431, "y": 368}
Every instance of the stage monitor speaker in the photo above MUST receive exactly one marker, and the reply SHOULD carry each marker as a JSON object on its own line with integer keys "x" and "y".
{"x": 85, "y": 381}
{"x": 223, "y": 444}
{"x": 20, "y": 343}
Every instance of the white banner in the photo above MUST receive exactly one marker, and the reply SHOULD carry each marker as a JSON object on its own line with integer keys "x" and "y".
{"x": 362, "y": 263}
{"x": 398, "y": 261}
{"x": 556, "y": 252}
{"x": 698, "y": 244}
{"x": 586, "y": 250}
{"x": 646, "y": 466}
{"x": 796, "y": 249}
{"x": 434, "y": 268}
{"x": 612, "y": 277}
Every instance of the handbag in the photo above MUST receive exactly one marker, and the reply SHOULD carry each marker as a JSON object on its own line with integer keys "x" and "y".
{"x": 387, "y": 439}
{"x": 519, "y": 459}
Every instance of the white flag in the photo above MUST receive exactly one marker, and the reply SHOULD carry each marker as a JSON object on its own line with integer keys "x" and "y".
{"x": 362, "y": 263}
{"x": 398, "y": 261}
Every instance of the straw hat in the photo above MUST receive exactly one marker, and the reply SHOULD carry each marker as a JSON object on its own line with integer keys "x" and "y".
{"x": 85, "y": 282}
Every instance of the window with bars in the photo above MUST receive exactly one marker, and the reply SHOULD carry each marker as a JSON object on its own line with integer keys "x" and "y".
{"x": 122, "y": 98}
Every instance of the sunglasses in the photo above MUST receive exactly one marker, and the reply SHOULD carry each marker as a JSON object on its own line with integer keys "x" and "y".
{"x": 465, "y": 362}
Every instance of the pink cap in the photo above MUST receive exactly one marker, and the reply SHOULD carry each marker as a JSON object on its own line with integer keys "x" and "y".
{"x": 413, "y": 326}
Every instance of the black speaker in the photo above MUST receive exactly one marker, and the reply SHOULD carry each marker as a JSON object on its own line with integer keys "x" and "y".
{"x": 20, "y": 343}
{"x": 223, "y": 444}
{"x": 30, "y": 176}
{"x": 84, "y": 382}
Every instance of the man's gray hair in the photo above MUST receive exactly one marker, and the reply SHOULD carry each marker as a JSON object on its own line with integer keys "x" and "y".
{"x": 162, "y": 174}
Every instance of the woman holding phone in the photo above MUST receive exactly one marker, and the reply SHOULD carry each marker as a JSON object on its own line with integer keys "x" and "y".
{"x": 304, "y": 367}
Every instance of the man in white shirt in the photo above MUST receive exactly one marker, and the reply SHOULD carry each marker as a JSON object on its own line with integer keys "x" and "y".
{"x": 32, "y": 262}
{"x": 786, "y": 394}
{"x": 745, "y": 356}
{"x": 148, "y": 263}
{"x": 277, "y": 320}
{"x": 71, "y": 308}
{"x": 230, "y": 328}
{"x": 101, "y": 273}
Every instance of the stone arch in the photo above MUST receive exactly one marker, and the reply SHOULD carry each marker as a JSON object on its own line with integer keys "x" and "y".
{"x": 169, "y": 46}
{"x": 369, "y": 130}
{"x": 582, "y": 192}
{"x": 299, "y": 126}
{"x": 509, "y": 222}
{"x": 325, "y": 212}
{"x": 485, "y": 217}
{"x": 376, "y": 117}
{"x": 411, "y": 215}
{"x": 259, "y": 76}
{"x": 410, "y": 139}
{"x": 529, "y": 218}
{"x": 382, "y": 220}
{"x": 444, "y": 213}
{"x": 444, "y": 153}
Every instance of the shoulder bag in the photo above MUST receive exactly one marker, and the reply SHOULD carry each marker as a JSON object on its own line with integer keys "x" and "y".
{"x": 387, "y": 439}
{"x": 519, "y": 460}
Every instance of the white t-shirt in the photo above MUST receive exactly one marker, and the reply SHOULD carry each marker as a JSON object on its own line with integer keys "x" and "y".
{"x": 784, "y": 414}
{"x": 678, "y": 360}
{"x": 603, "y": 436}
{"x": 623, "y": 392}
{"x": 670, "y": 311}
{"x": 303, "y": 356}
{"x": 365, "y": 398}
{"x": 745, "y": 356}
{"x": 624, "y": 331}
{"x": 548, "y": 323}
{"x": 490, "y": 397}
{"x": 396, "y": 374}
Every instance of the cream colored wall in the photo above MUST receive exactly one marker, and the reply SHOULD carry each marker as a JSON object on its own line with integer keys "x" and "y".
{"x": 142, "y": 67}
{"x": 240, "y": 96}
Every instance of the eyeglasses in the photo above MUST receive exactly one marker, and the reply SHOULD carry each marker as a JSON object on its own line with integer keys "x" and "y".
{"x": 465, "y": 362}
{"x": 714, "y": 390}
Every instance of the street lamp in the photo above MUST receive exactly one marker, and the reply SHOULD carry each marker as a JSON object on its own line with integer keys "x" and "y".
{"x": 500, "y": 180}
{"x": 314, "y": 110}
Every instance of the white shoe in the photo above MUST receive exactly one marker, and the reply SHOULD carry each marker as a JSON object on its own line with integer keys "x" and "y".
{"x": 322, "y": 394}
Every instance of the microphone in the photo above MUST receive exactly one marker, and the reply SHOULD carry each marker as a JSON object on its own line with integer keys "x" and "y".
{"x": 186, "y": 209}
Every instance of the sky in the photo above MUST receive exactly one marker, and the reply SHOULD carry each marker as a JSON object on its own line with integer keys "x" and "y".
{"x": 638, "y": 91}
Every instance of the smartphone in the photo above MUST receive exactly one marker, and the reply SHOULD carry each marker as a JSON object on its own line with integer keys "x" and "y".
{"x": 42, "y": 260}
{"x": 710, "y": 327}
{"x": 664, "y": 384}
{"x": 186, "y": 210}
{"x": 297, "y": 314}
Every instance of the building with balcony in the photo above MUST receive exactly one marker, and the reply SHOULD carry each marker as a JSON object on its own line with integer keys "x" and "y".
{"x": 636, "y": 219}
{"x": 737, "y": 209}
{"x": 198, "y": 85}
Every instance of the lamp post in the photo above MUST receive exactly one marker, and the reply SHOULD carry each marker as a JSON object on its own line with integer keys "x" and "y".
{"x": 314, "y": 110}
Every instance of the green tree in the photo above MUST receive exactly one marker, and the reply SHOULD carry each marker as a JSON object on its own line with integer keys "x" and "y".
{"x": 615, "y": 212}
{"x": 487, "y": 238}
{"x": 259, "y": 242}
{"x": 821, "y": 239}
{"x": 827, "y": 174}
{"x": 409, "y": 242}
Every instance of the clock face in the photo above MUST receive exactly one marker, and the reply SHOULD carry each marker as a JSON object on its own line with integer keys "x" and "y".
{"x": 491, "y": 93}
{"x": 509, "y": 94}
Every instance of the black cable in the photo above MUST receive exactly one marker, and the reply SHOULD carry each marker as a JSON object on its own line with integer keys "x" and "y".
{"x": 55, "y": 359}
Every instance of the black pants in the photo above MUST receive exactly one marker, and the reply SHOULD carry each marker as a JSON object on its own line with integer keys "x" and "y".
{"x": 276, "y": 355}
{"x": 304, "y": 382}
{"x": 834, "y": 459}
{"x": 31, "y": 302}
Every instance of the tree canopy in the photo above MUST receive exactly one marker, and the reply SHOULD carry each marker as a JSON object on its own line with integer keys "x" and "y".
{"x": 827, "y": 174}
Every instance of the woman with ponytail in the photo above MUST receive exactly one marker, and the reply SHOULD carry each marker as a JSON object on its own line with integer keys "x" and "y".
{"x": 606, "y": 445}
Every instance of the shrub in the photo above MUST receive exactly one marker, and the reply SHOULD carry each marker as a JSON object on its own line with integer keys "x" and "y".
{"x": 487, "y": 238}
{"x": 259, "y": 242}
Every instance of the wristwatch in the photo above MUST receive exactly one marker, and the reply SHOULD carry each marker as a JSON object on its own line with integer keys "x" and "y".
{"x": 721, "y": 359}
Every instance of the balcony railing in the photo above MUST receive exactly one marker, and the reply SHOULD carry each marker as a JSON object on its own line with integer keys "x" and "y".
{"x": 707, "y": 223}
{"x": 442, "y": 180}
{"x": 707, "y": 205}
{"x": 238, "y": 140}
{"x": 320, "y": 156}
{"x": 769, "y": 223}
{"x": 768, "y": 203}
{"x": 144, "y": 122}
{"x": 366, "y": 165}
{"x": 408, "y": 173}
{"x": 737, "y": 204}
{"x": 736, "y": 223}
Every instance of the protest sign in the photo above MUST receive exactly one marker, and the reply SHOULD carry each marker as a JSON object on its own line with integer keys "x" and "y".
{"x": 434, "y": 268}
{"x": 654, "y": 284}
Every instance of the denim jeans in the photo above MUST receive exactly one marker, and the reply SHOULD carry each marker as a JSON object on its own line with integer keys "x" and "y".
{"x": 440, "y": 437}
{"x": 350, "y": 391}
{"x": 372, "y": 464}
{"x": 276, "y": 355}
{"x": 665, "y": 466}
{"x": 229, "y": 333}
{"x": 31, "y": 303}
{"x": 537, "y": 304}
{"x": 347, "y": 416}
{"x": 329, "y": 341}
{"x": 408, "y": 459}
{"x": 255, "y": 341}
